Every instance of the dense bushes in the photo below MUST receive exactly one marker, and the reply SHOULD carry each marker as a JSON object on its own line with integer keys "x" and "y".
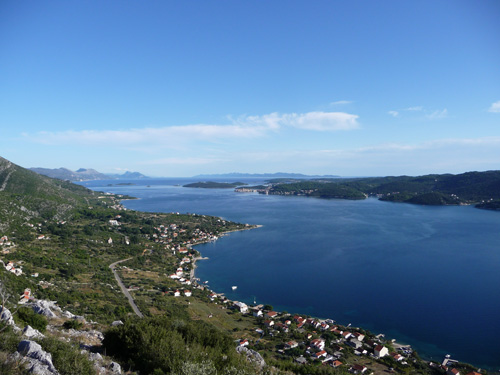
{"x": 35, "y": 320}
{"x": 166, "y": 345}
{"x": 67, "y": 358}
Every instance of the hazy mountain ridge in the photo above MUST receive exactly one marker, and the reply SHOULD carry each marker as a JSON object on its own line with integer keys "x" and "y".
{"x": 264, "y": 175}
{"x": 84, "y": 174}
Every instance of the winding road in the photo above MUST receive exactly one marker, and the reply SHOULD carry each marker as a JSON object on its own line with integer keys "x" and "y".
{"x": 124, "y": 289}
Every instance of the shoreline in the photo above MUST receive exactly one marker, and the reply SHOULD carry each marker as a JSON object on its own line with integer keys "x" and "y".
{"x": 201, "y": 257}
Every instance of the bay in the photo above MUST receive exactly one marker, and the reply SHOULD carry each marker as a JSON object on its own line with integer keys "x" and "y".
{"x": 426, "y": 276}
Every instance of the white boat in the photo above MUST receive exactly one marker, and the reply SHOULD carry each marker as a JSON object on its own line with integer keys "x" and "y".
{"x": 234, "y": 287}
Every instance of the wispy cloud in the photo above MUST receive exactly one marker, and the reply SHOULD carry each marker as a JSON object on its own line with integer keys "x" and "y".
{"x": 495, "y": 107}
{"x": 393, "y": 113}
{"x": 340, "y": 102}
{"x": 438, "y": 114}
{"x": 414, "y": 109}
{"x": 244, "y": 127}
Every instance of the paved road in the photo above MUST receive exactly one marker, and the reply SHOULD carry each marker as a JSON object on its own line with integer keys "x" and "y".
{"x": 124, "y": 290}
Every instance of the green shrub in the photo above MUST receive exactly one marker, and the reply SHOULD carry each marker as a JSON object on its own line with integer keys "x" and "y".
{"x": 67, "y": 358}
{"x": 73, "y": 324}
{"x": 28, "y": 316}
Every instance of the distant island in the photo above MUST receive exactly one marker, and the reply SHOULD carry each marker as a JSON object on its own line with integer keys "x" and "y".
{"x": 84, "y": 174}
{"x": 479, "y": 188}
{"x": 214, "y": 185}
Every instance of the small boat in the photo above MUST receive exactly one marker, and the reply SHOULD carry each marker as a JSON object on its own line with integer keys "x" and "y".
{"x": 234, "y": 287}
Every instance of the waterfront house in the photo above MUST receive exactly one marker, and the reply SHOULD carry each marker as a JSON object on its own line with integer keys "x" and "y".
{"x": 453, "y": 371}
{"x": 346, "y": 334}
{"x": 271, "y": 314}
{"x": 381, "y": 351}
{"x": 242, "y": 307}
{"x": 257, "y": 313}
{"x": 359, "y": 336}
{"x": 397, "y": 357}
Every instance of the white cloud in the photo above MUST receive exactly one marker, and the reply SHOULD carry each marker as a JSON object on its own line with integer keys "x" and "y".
{"x": 171, "y": 136}
{"x": 321, "y": 121}
{"x": 341, "y": 102}
{"x": 495, "y": 107}
{"x": 438, "y": 114}
{"x": 393, "y": 113}
{"x": 413, "y": 109}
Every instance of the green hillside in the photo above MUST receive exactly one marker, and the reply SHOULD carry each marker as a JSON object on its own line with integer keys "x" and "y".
{"x": 433, "y": 189}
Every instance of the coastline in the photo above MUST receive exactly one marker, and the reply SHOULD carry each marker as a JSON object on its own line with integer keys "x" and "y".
{"x": 201, "y": 257}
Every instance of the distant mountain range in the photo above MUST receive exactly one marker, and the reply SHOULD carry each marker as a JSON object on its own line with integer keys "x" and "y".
{"x": 264, "y": 175}
{"x": 84, "y": 174}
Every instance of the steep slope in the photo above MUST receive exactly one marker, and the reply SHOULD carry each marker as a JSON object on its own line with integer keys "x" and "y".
{"x": 25, "y": 195}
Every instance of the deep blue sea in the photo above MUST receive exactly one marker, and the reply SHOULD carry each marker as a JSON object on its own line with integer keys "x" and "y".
{"x": 426, "y": 276}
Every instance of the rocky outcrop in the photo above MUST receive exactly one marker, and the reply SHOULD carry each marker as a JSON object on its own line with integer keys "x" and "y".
{"x": 252, "y": 355}
{"x": 6, "y": 316}
{"x": 38, "y": 361}
{"x": 32, "y": 333}
{"x": 45, "y": 308}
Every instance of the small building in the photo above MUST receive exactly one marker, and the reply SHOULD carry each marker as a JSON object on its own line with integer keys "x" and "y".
{"x": 242, "y": 307}
{"x": 187, "y": 293}
{"x": 291, "y": 344}
{"x": 177, "y": 293}
{"x": 336, "y": 363}
{"x": 381, "y": 351}
{"x": 318, "y": 344}
{"x": 257, "y": 313}
{"x": 358, "y": 369}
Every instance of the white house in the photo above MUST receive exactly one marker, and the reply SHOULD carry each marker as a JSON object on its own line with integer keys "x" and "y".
{"x": 242, "y": 307}
{"x": 380, "y": 351}
{"x": 318, "y": 344}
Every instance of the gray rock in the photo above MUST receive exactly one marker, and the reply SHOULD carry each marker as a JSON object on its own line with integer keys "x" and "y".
{"x": 30, "y": 332}
{"x": 117, "y": 323}
{"x": 252, "y": 355}
{"x": 115, "y": 368}
{"x": 6, "y": 316}
{"x": 67, "y": 314}
{"x": 95, "y": 357}
{"x": 44, "y": 308}
{"x": 40, "y": 362}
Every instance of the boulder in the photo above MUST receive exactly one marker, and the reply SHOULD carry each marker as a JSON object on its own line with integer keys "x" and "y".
{"x": 30, "y": 332}
{"x": 115, "y": 368}
{"x": 252, "y": 355}
{"x": 44, "y": 308}
{"x": 5, "y": 315}
{"x": 40, "y": 362}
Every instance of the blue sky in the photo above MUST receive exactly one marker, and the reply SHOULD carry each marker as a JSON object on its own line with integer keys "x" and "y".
{"x": 171, "y": 88}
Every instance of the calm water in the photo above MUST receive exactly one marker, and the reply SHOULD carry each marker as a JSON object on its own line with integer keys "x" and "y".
{"x": 427, "y": 276}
